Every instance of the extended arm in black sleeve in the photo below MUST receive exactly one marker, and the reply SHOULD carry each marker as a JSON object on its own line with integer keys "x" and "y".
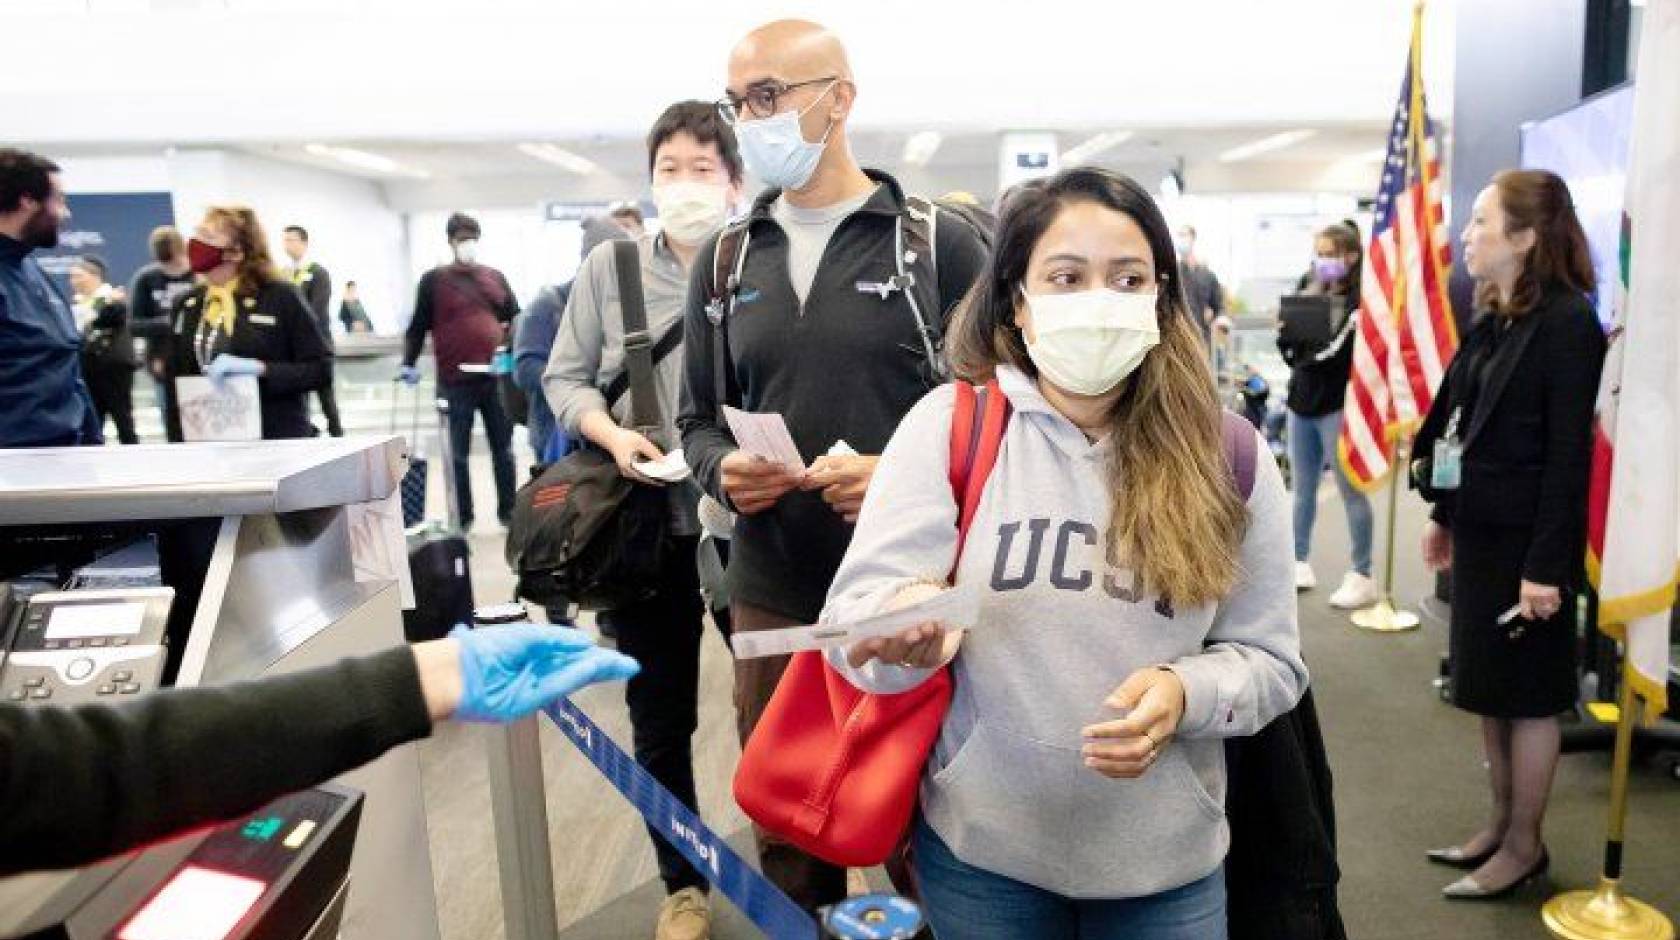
{"x": 705, "y": 441}
{"x": 1573, "y": 359}
{"x": 310, "y": 365}
{"x": 78, "y": 784}
{"x": 414, "y": 339}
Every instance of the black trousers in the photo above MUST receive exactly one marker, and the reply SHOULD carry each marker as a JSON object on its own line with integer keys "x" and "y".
{"x": 663, "y": 634}
{"x": 329, "y": 409}
{"x": 112, "y": 390}
{"x": 466, "y": 398}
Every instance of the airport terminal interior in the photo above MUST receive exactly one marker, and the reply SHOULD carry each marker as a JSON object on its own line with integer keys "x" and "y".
{"x": 294, "y": 293}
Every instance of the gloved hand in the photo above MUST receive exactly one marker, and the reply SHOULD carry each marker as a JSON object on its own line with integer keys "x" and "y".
{"x": 508, "y": 672}
{"x": 225, "y": 365}
{"x": 408, "y": 375}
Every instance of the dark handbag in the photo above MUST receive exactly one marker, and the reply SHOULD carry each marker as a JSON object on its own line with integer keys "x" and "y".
{"x": 582, "y": 533}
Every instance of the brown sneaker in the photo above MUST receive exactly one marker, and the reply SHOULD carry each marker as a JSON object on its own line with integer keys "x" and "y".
{"x": 686, "y": 915}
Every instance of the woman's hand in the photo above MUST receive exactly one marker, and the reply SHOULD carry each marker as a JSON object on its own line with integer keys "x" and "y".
{"x": 1437, "y": 547}
{"x": 1125, "y": 749}
{"x": 920, "y": 647}
{"x": 1538, "y": 601}
{"x": 843, "y": 480}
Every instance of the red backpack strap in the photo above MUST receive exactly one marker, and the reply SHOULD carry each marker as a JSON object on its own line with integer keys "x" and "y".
{"x": 977, "y": 424}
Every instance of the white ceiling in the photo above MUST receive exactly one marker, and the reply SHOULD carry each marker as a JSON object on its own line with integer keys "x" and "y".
{"x": 199, "y": 72}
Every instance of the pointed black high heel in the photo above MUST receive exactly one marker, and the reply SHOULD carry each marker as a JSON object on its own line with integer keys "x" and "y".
{"x": 1454, "y": 857}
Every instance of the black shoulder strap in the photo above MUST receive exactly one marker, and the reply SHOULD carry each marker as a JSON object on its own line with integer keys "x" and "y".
{"x": 728, "y": 259}
{"x": 916, "y": 242}
{"x": 667, "y": 344}
{"x": 638, "y": 345}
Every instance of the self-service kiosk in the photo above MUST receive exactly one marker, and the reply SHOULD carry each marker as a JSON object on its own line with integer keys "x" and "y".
{"x": 125, "y": 570}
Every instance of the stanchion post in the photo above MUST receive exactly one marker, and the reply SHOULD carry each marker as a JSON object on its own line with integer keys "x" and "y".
{"x": 520, "y": 811}
{"x": 1607, "y": 913}
{"x": 1383, "y": 616}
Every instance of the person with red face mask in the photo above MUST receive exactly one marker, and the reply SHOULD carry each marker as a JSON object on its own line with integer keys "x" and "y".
{"x": 245, "y": 319}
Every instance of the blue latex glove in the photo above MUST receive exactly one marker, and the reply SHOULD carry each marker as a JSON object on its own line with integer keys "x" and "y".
{"x": 225, "y": 365}
{"x": 409, "y": 375}
{"x": 510, "y": 671}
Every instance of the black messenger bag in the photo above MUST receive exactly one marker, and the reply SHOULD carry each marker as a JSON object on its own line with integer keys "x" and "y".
{"x": 582, "y": 533}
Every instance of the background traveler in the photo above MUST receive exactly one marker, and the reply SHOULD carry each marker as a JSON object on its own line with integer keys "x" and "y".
{"x": 108, "y": 361}
{"x": 315, "y": 284}
{"x": 1318, "y": 379}
{"x": 151, "y": 299}
{"x": 466, "y": 307}
{"x": 44, "y": 399}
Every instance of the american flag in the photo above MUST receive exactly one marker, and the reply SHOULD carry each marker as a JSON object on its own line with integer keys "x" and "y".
{"x": 1406, "y": 334}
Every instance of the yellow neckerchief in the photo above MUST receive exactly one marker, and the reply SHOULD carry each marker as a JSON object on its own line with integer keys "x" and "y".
{"x": 220, "y": 310}
{"x": 301, "y": 273}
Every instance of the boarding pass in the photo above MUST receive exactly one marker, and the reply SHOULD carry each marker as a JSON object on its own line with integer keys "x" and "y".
{"x": 955, "y": 608}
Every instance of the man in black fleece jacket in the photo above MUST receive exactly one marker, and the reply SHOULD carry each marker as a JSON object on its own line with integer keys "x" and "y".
{"x": 814, "y": 335}
{"x": 79, "y": 784}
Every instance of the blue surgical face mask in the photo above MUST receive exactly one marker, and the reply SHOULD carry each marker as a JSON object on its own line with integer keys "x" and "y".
{"x": 776, "y": 151}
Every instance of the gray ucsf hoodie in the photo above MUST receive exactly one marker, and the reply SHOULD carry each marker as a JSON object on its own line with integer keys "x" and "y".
{"x": 1006, "y": 787}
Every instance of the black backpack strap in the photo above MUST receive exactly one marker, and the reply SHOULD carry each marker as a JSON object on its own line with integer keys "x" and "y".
{"x": 916, "y": 242}
{"x": 667, "y": 344}
{"x": 728, "y": 260}
{"x": 638, "y": 345}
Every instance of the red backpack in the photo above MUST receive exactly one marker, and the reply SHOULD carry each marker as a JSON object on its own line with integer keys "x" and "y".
{"x": 834, "y": 770}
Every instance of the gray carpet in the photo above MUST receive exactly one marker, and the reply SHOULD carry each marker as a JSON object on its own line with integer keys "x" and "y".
{"x": 1408, "y": 777}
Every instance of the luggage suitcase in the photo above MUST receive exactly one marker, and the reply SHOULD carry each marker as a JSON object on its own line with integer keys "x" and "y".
{"x": 414, "y": 481}
{"x": 438, "y": 561}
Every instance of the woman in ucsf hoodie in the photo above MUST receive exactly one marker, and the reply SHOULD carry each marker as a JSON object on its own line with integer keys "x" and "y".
{"x": 1134, "y": 610}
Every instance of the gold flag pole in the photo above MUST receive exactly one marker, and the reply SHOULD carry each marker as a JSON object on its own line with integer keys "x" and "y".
{"x": 1606, "y": 913}
{"x": 1383, "y": 616}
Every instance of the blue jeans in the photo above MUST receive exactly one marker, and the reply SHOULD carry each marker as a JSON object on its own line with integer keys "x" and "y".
{"x": 1312, "y": 444}
{"x": 968, "y": 903}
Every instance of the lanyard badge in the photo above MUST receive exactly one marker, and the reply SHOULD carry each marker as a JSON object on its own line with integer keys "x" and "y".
{"x": 1447, "y": 463}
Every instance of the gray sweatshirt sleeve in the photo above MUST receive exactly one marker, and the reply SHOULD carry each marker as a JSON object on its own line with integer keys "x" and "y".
{"x": 906, "y": 533}
{"x": 1250, "y": 670}
{"x": 574, "y": 365}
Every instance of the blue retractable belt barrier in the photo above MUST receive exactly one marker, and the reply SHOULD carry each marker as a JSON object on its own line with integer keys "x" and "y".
{"x": 763, "y": 903}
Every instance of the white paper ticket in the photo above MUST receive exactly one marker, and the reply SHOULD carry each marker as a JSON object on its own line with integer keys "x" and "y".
{"x": 764, "y": 434}
{"x": 958, "y": 609}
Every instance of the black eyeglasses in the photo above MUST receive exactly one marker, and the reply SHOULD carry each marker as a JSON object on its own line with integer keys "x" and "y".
{"x": 761, "y": 98}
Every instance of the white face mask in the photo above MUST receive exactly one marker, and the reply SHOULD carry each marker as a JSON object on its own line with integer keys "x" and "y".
{"x": 1089, "y": 341}
{"x": 689, "y": 210}
{"x": 466, "y": 250}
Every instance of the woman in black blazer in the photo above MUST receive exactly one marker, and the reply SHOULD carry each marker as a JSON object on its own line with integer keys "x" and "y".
{"x": 1516, "y": 407}
{"x": 244, "y": 319}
